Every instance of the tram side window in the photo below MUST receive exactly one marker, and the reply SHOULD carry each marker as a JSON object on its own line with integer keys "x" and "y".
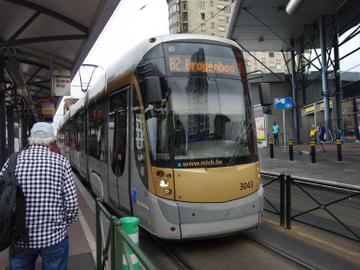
{"x": 60, "y": 137}
{"x": 73, "y": 133}
{"x": 81, "y": 131}
{"x": 67, "y": 137}
{"x": 96, "y": 131}
{"x": 77, "y": 132}
{"x": 118, "y": 124}
{"x": 139, "y": 145}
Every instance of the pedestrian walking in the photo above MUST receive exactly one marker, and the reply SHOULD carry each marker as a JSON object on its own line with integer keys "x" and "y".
{"x": 51, "y": 203}
{"x": 276, "y": 128}
{"x": 312, "y": 133}
{"x": 321, "y": 134}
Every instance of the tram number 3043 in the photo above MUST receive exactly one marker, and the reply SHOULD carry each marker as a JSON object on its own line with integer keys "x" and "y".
{"x": 246, "y": 185}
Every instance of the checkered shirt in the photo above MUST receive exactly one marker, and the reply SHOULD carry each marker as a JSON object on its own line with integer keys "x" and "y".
{"x": 51, "y": 200}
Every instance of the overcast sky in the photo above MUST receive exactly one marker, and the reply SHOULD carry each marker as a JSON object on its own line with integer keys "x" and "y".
{"x": 132, "y": 22}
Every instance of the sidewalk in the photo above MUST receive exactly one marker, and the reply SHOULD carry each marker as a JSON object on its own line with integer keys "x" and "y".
{"x": 326, "y": 167}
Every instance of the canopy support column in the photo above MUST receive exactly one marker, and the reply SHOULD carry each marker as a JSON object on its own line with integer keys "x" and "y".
{"x": 325, "y": 87}
{"x": 296, "y": 134}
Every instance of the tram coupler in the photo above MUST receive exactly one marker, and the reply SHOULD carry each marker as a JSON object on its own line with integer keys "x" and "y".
{"x": 312, "y": 152}
{"x": 339, "y": 152}
{"x": 291, "y": 149}
{"x": 271, "y": 144}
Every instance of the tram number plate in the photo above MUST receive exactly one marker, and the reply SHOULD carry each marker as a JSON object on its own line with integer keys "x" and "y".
{"x": 246, "y": 185}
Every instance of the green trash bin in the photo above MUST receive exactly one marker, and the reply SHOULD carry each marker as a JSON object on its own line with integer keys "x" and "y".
{"x": 131, "y": 228}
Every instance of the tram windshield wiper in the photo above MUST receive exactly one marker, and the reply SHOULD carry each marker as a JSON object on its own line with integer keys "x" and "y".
{"x": 242, "y": 141}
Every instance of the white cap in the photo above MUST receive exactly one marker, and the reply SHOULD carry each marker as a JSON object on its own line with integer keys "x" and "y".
{"x": 42, "y": 133}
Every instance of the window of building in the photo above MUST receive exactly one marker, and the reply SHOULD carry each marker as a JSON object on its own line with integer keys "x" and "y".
{"x": 271, "y": 54}
{"x": 97, "y": 131}
{"x": 202, "y": 15}
{"x": 185, "y": 28}
{"x": 202, "y": 4}
{"x": 203, "y": 27}
{"x": 184, "y": 16}
{"x": 227, "y": 19}
{"x": 228, "y": 9}
{"x": 184, "y": 5}
{"x": 211, "y": 3}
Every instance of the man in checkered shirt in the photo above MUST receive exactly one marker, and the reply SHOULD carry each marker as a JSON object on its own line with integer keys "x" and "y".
{"x": 51, "y": 203}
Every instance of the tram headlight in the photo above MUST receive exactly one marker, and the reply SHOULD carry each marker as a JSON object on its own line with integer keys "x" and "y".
{"x": 164, "y": 183}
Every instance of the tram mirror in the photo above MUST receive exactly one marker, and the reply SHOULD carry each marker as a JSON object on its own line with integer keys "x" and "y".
{"x": 153, "y": 89}
{"x": 265, "y": 94}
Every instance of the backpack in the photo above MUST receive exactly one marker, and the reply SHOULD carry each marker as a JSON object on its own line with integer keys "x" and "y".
{"x": 12, "y": 207}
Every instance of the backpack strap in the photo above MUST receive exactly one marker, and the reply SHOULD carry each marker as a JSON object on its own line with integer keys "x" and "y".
{"x": 12, "y": 163}
{"x": 21, "y": 233}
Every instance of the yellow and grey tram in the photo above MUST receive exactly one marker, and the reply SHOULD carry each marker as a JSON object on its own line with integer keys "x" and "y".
{"x": 168, "y": 136}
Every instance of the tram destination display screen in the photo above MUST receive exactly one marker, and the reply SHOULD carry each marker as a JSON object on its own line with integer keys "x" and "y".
{"x": 200, "y": 58}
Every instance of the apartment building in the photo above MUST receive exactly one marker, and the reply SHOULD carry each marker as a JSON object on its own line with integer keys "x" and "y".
{"x": 212, "y": 17}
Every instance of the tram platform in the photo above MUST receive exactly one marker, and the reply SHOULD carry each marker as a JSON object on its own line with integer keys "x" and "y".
{"x": 299, "y": 242}
{"x": 82, "y": 241}
{"x": 327, "y": 167}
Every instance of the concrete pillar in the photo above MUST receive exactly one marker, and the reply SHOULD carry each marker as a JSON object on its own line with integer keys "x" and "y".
{"x": 338, "y": 89}
{"x": 295, "y": 135}
{"x": 325, "y": 87}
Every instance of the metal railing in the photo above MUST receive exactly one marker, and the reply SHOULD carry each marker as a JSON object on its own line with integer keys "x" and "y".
{"x": 326, "y": 205}
{"x": 112, "y": 240}
{"x": 274, "y": 195}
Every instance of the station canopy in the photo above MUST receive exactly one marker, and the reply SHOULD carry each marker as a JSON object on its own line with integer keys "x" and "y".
{"x": 39, "y": 36}
{"x": 264, "y": 25}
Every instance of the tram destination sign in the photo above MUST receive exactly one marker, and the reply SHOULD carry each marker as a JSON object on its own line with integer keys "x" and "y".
{"x": 283, "y": 103}
{"x": 181, "y": 63}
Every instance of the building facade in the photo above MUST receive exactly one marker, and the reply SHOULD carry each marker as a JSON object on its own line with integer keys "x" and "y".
{"x": 212, "y": 17}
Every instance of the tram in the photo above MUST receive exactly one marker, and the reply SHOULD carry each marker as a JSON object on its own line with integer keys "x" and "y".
{"x": 169, "y": 136}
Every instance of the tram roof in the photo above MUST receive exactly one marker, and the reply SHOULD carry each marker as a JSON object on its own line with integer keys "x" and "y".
{"x": 41, "y": 35}
{"x": 263, "y": 25}
{"x": 128, "y": 63}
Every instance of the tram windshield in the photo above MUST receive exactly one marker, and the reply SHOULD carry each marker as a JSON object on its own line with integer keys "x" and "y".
{"x": 206, "y": 119}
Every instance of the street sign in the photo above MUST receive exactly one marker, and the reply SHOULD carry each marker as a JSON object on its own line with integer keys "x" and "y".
{"x": 283, "y": 103}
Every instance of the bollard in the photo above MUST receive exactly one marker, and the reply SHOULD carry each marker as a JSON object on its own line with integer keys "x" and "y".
{"x": 339, "y": 153}
{"x": 291, "y": 149}
{"x": 288, "y": 201}
{"x": 271, "y": 144}
{"x": 312, "y": 152}
{"x": 130, "y": 226}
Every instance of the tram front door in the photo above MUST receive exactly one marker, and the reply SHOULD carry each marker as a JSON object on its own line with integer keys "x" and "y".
{"x": 118, "y": 173}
